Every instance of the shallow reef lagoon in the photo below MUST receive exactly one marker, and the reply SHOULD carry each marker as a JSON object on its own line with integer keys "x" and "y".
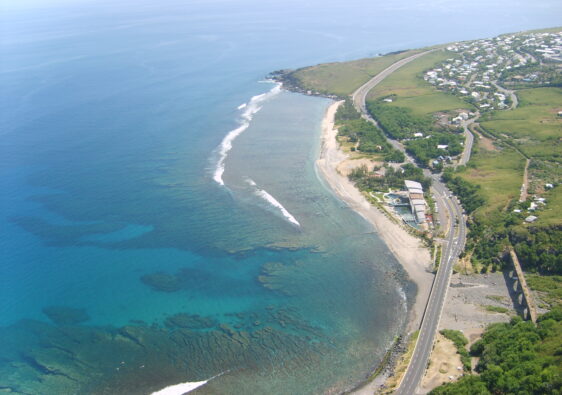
{"x": 162, "y": 219}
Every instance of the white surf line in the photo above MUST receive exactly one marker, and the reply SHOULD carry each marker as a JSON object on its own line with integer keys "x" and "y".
{"x": 184, "y": 388}
{"x": 250, "y": 109}
{"x": 180, "y": 389}
{"x": 274, "y": 202}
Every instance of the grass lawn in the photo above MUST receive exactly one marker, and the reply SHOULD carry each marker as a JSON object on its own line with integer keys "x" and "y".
{"x": 343, "y": 78}
{"x": 413, "y": 92}
{"x": 499, "y": 174}
{"x": 550, "y": 287}
{"x": 535, "y": 128}
{"x": 534, "y": 124}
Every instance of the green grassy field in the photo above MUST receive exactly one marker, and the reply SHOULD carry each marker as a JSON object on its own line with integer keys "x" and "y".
{"x": 536, "y": 116}
{"x": 499, "y": 174}
{"x": 345, "y": 77}
{"x": 535, "y": 128}
{"x": 550, "y": 287}
{"x": 413, "y": 92}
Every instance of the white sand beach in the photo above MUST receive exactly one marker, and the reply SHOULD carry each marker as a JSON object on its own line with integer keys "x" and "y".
{"x": 407, "y": 249}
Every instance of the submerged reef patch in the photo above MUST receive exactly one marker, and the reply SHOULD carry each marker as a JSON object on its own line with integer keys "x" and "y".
{"x": 64, "y": 315}
{"x": 188, "y": 321}
{"x": 142, "y": 358}
{"x": 162, "y": 282}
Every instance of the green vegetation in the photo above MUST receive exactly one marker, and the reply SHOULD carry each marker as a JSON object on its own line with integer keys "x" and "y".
{"x": 468, "y": 193}
{"x": 425, "y": 149}
{"x": 533, "y": 129}
{"x": 367, "y": 181}
{"x": 340, "y": 79}
{"x": 367, "y": 137}
{"x": 546, "y": 75}
{"x": 550, "y": 215}
{"x": 538, "y": 248}
{"x": 515, "y": 358}
{"x": 401, "y": 123}
{"x": 498, "y": 175}
{"x": 496, "y": 309}
{"x": 534, "y": 125}
{"x": 549, "y": 288}
{"x": 346, "y": 112}
{"x": 409, "y": 90}
{"x": 489, "y": 186}
{"x": 460, "y": 342}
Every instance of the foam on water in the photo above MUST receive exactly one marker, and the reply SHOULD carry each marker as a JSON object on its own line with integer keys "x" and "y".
{"x": 184, "y": 388}
{"x": 274, "y": 202}
{"x": 180, "y": 389}
{"x": 250, "y": 109}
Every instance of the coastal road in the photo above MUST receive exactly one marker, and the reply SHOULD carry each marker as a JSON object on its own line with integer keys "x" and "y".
{"x": 452, "y": 246}
{"x": 468, "y": 141}
{"x": 360, "y": 95}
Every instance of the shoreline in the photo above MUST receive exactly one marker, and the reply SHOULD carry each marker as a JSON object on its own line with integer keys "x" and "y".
{"x": 407, "y": 249}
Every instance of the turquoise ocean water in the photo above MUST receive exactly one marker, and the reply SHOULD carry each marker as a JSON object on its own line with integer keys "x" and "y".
{"x": 139, "y": 248}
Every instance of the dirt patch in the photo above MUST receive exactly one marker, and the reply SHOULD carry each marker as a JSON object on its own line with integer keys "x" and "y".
{"x": 345, "y": 167}
{"x": 485, "y": 143}
{"x": 444, "y": 364}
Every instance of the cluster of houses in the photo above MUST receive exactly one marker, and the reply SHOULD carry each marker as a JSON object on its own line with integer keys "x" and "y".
{"x": 537, "y": 203}
{"x": 481, "y": 63}
{"x": 545, "y": 45}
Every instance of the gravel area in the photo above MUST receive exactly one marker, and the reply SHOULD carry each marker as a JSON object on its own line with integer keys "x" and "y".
{"x": 467, "y": 297}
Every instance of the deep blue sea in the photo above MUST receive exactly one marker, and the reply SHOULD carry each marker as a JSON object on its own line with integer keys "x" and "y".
{"x": 162, "y": 220}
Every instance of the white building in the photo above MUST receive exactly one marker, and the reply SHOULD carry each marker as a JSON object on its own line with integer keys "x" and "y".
{"x": 417, "y": 202}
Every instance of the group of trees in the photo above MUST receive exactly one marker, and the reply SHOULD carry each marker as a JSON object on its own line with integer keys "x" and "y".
{"x": 425, "y": 149}
{"x": 398, "y": 122}
{"x": 515, "y": 358}
{"x": 547, "y": 75}
{"x": 401, "y": 124}
{"x": 392, "y": 178}
{"x": 488, "y": 241}
{"x": 538, "y": 248}
{"x": 469, "y": 194}
{"x": 368, "y": 137}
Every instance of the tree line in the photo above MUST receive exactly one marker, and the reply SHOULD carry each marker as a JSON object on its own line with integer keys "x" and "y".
{"x": 515, "y": 358}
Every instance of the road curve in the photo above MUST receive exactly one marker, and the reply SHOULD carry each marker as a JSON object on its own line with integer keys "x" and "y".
{"x": 469, "y": 140}
{"x": 360, "y": 95}
{"x": 452, "y": 245}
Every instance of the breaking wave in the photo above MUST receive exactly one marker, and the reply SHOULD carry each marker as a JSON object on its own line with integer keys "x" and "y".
{"x": 180, "y": 389}
{"x": 249, "y": 110}
{"x": 183, "y": 388}
{"x": 274, "y": 202}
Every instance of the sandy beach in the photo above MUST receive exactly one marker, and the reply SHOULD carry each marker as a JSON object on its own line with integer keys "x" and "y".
{"x": 407, "y": 249}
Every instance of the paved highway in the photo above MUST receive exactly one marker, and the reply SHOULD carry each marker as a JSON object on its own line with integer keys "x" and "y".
{"x": 360, "y": 94}
{"x": 452, "y": 245}
{"x": 469, "y": 139}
